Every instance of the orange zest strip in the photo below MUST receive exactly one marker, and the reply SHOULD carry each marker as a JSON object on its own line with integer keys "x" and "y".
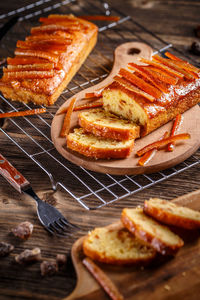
{"x": 54, "y": 20}
{"x": 162, "y": 67}
{"x": 149, "y": 76}
{"x": 42, "y": 45}
{"x": 188, "y": 67}
{"x": 172, "y": 56}
{"x": 39, "y": 67}
{"x": 101, "y": 18}
{"x": 25, "y": 60}
{"x": 83, "y": 106}
{"x": 35, "y": 111}
{"x": 27, "y": 75}
{"x": 162, "y": 75}
{"x": 176, "y": 126}
{"x": 158, "y": 144}
{"x": 52, "y": 16}
{"x": 37, "y": 53}
{"x": 150, "y": 154}
{"x": 143, "y": 85}
{"x": 102, "y": 279}
{"x": 182, "y": 63}
{"x": 93, "y": 95}
{"x": 66, "y": 124}
{"x": 52, "y": 28}
{"x": 170, "y": 63}
{"x": 122, "y": 81}
{"x": 64, "y": 39}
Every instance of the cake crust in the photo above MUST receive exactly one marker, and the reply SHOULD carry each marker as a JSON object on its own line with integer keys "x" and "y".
{"x": 153, "y": 239}
{"x": 171, "y": 214}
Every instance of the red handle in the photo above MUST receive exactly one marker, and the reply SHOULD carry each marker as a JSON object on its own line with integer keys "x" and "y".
{"x": 17, "y": 180}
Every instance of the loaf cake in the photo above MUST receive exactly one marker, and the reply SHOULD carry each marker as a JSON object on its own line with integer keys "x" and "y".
{"x": 116, "y": 246}
{"x": 172, "y": 214}
{"x": 107, "y": 125}
{"x": 92, "y": 146}
{"x": 48, "y": 59}
{"x": 160, "y": 237}
{"x": 153, "y": 94}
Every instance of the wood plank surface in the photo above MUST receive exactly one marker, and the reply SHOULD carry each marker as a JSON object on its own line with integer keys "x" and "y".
{"x": 171, "y": 20}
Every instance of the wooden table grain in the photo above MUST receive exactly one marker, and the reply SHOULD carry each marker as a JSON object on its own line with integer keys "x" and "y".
{"x": 173, "y": 21}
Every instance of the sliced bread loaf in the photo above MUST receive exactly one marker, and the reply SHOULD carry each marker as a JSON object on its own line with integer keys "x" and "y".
{"x": 172, "y": 214}
{"x": 107, "y": 125}
{"x": 116, "y": 245}
{"x": 160, "y": 237}
{"x": 93, "y": 146}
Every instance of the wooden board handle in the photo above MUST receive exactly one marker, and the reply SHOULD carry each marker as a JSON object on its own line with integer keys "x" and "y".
{"x": 17, "y": 180}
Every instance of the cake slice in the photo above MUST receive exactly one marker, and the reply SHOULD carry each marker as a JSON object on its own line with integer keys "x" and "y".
{"x": 160, "y": 237}
{"x": 154, "y": 93}
{"x": 116, "y": 245}
{"x": 90, "y": 145}
{"x": 107, "y": 125}
{"x": 172, "y": 214}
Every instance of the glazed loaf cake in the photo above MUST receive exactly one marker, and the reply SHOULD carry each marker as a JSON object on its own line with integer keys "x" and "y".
{"x": 160, "y": 237}
{"x": 154, "y": 93}
{"x": 48, "y": 59}
{"x": 92, "y": 146}
{"x": 104, "y": 124}
{"x": 116, "y": 246}
{"x": 172, "y": 214}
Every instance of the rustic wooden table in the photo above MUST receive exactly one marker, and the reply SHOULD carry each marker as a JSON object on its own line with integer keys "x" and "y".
{"x": 172, "y": 20}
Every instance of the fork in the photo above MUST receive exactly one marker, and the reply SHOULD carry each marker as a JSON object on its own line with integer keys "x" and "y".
{"x": 48, "y": 215}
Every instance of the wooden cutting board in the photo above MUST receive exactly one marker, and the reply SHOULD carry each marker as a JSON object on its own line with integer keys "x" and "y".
{"x": 129, "y": 52}
{"x": 169, "y": 279}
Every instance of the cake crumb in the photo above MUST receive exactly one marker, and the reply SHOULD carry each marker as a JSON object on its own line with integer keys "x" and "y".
{"x": 184, "y": 273}
{"x": 167, "y": 287}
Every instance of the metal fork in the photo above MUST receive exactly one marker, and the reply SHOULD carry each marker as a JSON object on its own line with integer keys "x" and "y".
{"x": 48, "y": 215}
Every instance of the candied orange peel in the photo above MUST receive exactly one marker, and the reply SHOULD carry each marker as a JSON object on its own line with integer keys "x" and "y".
{"x": 23, "y": 113}
{"x": 67, "y": 120}
{"x": 150, "y": 154}
{"x": 82, "y": 107}
{"x": 176, "y": 126}
{"x": 164, "y": 142}
{"x": 139, "y": 82}
{"x": 122, "y": 81}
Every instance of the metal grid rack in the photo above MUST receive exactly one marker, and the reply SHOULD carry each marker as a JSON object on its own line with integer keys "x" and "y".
{"x": 93, "y": 190}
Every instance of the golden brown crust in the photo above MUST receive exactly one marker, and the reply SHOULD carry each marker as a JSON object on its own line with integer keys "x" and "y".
{"x": 109, "y": 132}
{"x": 104, "y": 153}
{"x": 152, "y": 240}
{"x": 157, "y": 114}
{"x": 167, "y": 217}
{"x": 46, "y": 91}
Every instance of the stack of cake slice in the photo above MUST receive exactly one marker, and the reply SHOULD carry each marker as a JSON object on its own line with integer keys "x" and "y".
{"x": 103, "y": 135}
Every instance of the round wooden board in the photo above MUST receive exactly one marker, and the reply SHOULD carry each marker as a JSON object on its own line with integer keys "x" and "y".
{"x": 129, "y": 166}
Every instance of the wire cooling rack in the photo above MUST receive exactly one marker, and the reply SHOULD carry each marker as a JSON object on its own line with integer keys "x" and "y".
{"x": 92, "y": 190}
